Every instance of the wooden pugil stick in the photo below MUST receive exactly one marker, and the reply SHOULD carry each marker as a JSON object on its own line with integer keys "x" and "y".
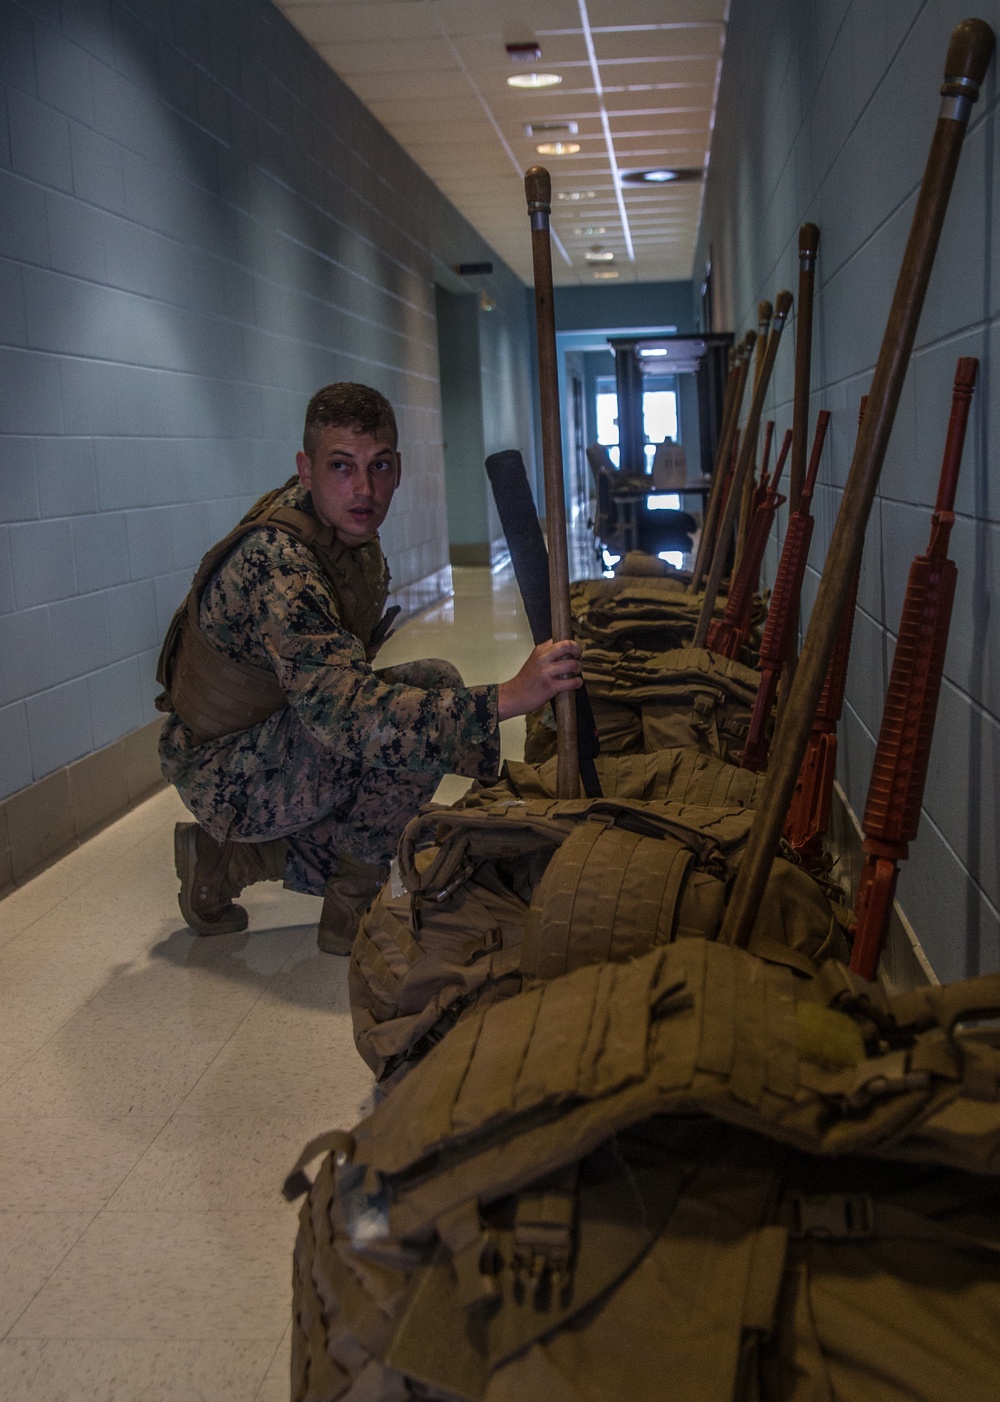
{"x": 779, "y": 635}
{"x": 782, "y": 305}
{"x": 728, "y": 635}
{"x": 969, "y": 54}
{"x": 765, "y": 312}
{"x": 730, "y": 420}
{"x": 538, "y": 189}
{"x": 808, "y": 247}
{"x": 896, "y": 791}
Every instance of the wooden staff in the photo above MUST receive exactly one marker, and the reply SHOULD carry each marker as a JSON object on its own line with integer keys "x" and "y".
{"x": 765, "y": 311}
{"x": 808, "y": 245}
{"x": 783, "y": 609}
{"x": 724, "y": 535}
{"x": 896, "y": 791}
{"x": 969, "y": 54}
{"x": 730, "y": 419}
{"x": 538, "y": 189}
{"x": 728, "y": 635}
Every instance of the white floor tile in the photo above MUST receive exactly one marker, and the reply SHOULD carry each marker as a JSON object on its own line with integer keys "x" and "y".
{"x": 170, "y": 1275}
{"x": 50, "y": 1163}
{"x": 103, "y": 1370}
{"x": 34, "y": 1243}
{"x": 217, "y": 1162}
{"x": 156, "y": 1088}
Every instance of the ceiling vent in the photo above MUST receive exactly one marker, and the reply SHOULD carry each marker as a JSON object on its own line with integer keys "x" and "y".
{"x": 524, "y": 53}
{"x": 550, "y": 128}
{"x": 473, "y": 269}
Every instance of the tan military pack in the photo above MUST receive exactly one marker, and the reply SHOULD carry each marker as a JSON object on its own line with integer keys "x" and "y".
{"x": 215, "y": 695}
{"x": 693, "y": 1176}
{"x": 503, "y": 890}
{"x": 645, "y": 701}
{"x": 644, "y": 613}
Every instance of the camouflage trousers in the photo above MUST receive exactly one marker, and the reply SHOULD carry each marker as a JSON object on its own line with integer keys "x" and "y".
{"x": 321, "y": 803}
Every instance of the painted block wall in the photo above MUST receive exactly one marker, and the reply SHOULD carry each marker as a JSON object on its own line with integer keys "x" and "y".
{"x": 200, "y": 225}
{"x": 826, "y": 112}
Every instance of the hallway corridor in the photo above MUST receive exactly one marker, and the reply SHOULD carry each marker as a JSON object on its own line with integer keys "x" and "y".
{"x": 155, "y": 1088}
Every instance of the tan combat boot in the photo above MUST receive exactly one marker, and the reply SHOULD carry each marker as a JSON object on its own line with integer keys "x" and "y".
{"x": 349, "y": 893}
{"x": 211, "y": 873}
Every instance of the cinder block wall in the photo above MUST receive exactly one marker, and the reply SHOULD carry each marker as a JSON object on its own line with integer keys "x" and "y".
{"x": 826, "y": 112}
{"x": 200, "y": 225}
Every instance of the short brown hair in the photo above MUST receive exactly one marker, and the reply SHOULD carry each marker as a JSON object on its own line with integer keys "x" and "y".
{"x": 349, "y": 406}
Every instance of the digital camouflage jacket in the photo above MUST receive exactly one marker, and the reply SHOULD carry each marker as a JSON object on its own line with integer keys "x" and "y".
{"x": 270, "y": 604}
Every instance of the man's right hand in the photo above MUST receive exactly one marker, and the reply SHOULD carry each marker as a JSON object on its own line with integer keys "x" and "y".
{"x": 550, "y": 668}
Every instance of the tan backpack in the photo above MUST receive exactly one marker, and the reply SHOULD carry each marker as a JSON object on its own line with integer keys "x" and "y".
{"x": 488, "y": 896}
{"x": 645, "y": 613}
{"x": 645, "y": 701}
{"x": 693, "y": 1176}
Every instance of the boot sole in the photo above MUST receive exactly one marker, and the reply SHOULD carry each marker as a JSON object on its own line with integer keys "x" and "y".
{"x": 186, "y": 866}
{"x": 332, "y": 943}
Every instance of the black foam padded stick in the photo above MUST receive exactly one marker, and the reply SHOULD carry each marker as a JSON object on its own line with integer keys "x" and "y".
{"x": 530, "y": 558}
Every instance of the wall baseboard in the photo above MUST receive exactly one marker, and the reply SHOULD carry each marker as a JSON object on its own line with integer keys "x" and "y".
{"x": 422, "y": 594}
{"x": 904, "y": 965}
{"x": 43, "y": 822}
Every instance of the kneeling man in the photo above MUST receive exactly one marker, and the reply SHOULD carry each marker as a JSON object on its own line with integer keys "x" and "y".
{"x": 299, "y": 761}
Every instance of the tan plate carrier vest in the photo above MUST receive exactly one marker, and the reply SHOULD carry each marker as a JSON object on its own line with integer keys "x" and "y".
{"x": 502, "y": 890}
{"x": 215, "y": 695}
{"x": 695, "y": 1177}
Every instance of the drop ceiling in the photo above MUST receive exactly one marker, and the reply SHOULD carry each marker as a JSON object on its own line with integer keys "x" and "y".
{"x": 639, "y": 79}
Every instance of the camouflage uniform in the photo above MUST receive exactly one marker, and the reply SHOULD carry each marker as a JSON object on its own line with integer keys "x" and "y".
{"x": 347, "y": 762}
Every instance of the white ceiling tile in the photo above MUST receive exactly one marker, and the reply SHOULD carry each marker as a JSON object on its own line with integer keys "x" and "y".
{"x": 390, "y": 56}
{"x": 703, "y": 41}
{"x": 434, "y": 73}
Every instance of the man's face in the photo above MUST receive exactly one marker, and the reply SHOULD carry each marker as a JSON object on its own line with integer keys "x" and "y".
{"x": 352, "y": 478}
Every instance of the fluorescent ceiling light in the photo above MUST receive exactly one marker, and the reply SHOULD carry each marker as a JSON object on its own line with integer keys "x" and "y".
{"x": 533, "y": 80}
{"x": 558, "y": 148}
{"x": 575, "y": 195}
{"x": 606, "y": 273}
{"x": 591, "y": 231}
{"x": 654, "y": 350}
{"x": 600, "y": 255}
{"x": 661, "y": 175}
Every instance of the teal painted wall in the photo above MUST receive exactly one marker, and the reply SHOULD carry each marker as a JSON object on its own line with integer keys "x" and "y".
{"x": 825, "y": 113}
{"x": 201, "y": 225}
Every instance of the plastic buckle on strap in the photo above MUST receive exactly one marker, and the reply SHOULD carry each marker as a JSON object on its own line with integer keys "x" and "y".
{"x": 838, "y": 1217}
{"x": 459, "y": 879}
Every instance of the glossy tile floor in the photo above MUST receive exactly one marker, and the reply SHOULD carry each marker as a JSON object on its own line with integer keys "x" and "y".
{"x": 155, "y": 1088}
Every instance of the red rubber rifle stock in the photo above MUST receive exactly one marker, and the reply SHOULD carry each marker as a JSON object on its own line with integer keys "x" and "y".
{"x": 896, "y": 791}
{"x": 727, "y": 635}
{"x": 782, "y": 615}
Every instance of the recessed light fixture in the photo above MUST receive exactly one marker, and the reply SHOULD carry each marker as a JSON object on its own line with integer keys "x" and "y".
{"x": 575, "y": 195}
{"x": 660, "y": 175}
{"x": 599, "y": 255}
{"x": 558, "y": 148}
{"x": 606, "y": 273}
{"x": 533, "y": 80}
{"x": 591, "y": 231}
